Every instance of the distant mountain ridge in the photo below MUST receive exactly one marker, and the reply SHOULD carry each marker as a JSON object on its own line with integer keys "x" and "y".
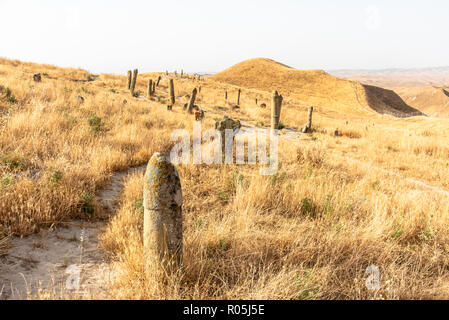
{"x": 397, "y": 77}
{"x": 443, "y": 69}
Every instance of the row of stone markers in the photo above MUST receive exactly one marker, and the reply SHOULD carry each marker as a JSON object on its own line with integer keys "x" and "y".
{"x": 162, "y": 194}
{"x": 276, "y": 105}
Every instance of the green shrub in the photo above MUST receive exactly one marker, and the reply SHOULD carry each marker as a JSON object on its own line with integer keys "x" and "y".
{"x": 8, "y": 94}
{"x": 5, "y": 182}
{"x": 86, "y": 91}
{"x": 55, "y": 178}
{"x": 308, "y": 208}
{"x": 95, "y": 123}
{"x": 223, "y": 196}
{"x": 13, "y": 162}
{"x": 86, "y": 203}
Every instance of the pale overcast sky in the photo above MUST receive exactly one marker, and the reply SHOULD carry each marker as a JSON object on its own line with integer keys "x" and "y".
{"x": 207, "y": 35}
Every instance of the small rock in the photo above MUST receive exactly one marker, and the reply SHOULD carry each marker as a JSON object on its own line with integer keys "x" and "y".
{"x": 37, "y": 77}
{"x": 263, "y": 105}
{"x": 336, "y": 133}
{"x": 306, "y": 129}
{"x": 185, "y": 106}
{"x": 221, "y": 108}
{"x": 124, "y": 101}
{"x": 169, "y": 107}
{"x": 199, "y": 115}
{"x": 228, "y": 123}
{"x": 80, "y": 99}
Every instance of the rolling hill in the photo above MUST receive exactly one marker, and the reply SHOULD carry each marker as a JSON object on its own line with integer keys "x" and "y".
{"x": 315, "y": 87}
{"x": 432, "y": 100}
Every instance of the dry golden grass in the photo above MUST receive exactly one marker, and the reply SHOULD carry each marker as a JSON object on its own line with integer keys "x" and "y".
{"x": 308, "y": 232}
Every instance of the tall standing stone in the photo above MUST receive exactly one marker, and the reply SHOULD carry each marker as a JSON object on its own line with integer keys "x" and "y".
{"x": 172, "y": 92}
{"x": 133, "y": 84}
{"x": 162, "y": 230}
{"x": 308, "y": 127}
{"x": 238, "y": 98}
{"x": 192, "y": 100}
{"x": 150, "y": 88}
{"x": 158, "y": 80}
{"x": 309, "y": 121}
{"x": 276, "y": 105}
{"x": 129, "y": 79}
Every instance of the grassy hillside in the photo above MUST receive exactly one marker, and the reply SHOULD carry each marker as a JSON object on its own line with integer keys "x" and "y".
{"x": 337, "y": 205}
{"x": 432, "y": 100}
{"x": 315, "y": 87}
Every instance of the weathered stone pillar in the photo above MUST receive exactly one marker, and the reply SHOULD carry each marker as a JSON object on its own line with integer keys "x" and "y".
{"x": 172, "y": 92}
{"x": 276, "y": 105}
{"x": 192, "y": 100}
{"x": 308, "y": 127}
{"x": 133, "y": 83}
{"x": 309, "y": 122}
{"x": 150, "y": 88}
{"x": 162, "y": 231}
{"x": 129, "y": 79}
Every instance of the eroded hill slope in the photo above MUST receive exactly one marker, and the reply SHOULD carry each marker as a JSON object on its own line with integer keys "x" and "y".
{"x": 315, "y": 87}
{"x": 432, "y": 100}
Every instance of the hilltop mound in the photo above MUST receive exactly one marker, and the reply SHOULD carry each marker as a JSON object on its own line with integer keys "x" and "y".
{"x": 431, "y": 100}
{"x": 315, "y": 87}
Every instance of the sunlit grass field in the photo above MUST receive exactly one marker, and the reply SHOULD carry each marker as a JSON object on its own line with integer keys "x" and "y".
{"x": 337, "y": 205}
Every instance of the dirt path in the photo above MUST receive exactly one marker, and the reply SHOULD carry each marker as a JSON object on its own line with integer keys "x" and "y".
{"x": 53, "y": 258}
